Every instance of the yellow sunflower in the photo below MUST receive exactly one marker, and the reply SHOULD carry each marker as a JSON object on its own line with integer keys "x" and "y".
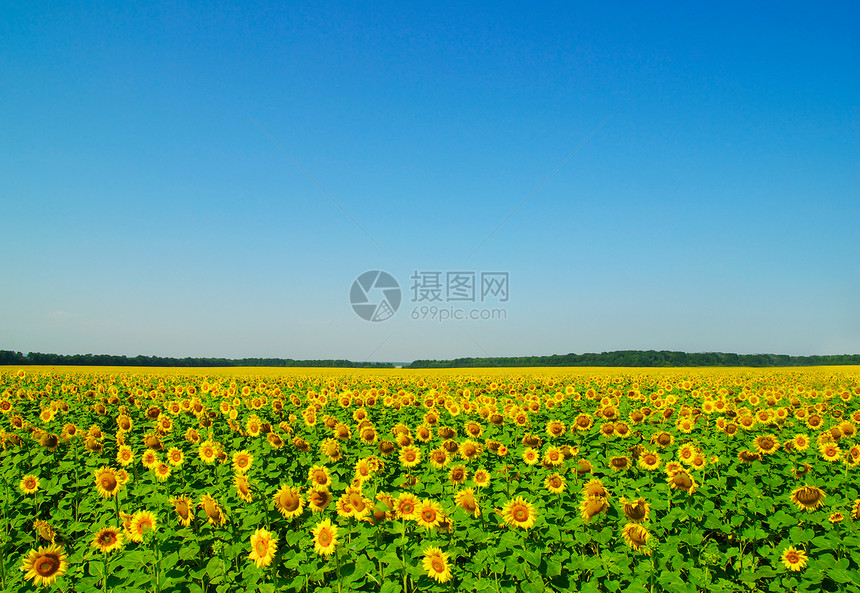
{"x": 555, "y": 483}
{"x": 263, "y": 547}
{"x": 325, "y": 538}
{"x": 213, "y": 510}
{"x": 406, "y": 505}
{"x": 289, "y": 501}
{"x": 107, "y": 482}
{"x": 410, "y": 456}
{"x": 794, "y": 559}
{"x": 108, "y": 539}
{"x": 519, "y": 513}
{"x": 591, "y": 506}
{"x": 243, "y": 487}
{"x": 45, "y": 565}
{"x": 141, "y": 522}
{"x": 637, "y": 510}
{"x": 465, "y": 499}
{"x": 242, "y": 461}
{"x": 428, "y": 514}
{"x": 436, "y": 564}
{"x": 29, "y": 484}
{"x": 319, "y": 477}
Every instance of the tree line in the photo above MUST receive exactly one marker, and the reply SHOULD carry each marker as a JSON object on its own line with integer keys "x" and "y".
{"x": 8, "y": 357}
{"x": 643, "y": 358}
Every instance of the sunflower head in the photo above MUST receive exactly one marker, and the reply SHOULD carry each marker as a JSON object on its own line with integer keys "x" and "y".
{"x": 435, "y": 562}
{"x": 636, "y": 511}
{"x": 636, "y": 537}
{"x": 519, "y": 512}
{"x": 45, "y": 565}
{"x": 808, "y": 497}
{"x": 108, "y": 539}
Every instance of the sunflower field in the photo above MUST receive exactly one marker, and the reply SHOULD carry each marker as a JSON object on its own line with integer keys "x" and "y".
{"x": 522, "y": 480}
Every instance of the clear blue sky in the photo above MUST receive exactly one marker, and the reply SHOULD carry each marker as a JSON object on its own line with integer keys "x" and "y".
{"x": 208, "y": 179}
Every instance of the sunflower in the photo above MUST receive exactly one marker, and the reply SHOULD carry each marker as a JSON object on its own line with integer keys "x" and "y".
{"x": 439, "y": 458}
{"x": 555, "y": 483}
{"x": 530, "y": 456}
{"x": 318, "y": 499}
{"x": 636, "y": 537}
{"x": 325, "y": 538}
{"x": 108, "y": 539}
{"x": 436, "y": 564}
{"x": 125, "y": 456}
{"x": 649, "y": 460}
{"x": 182, "y": 506}
{"x": 830, "y": 452}
{"x": 213, "y": 510}
{"x": 458, "y": 475}
{"x": 410, "y": 456}
{"x": 175, "y": 457}
{"x": 45, "y": 565}
{"x": 836, "y": 517}
{"x": 481, "y": 478}
{"x": 591, "y": 506}
{"x": 621, "y": 463}
{"x": 243, "y": 487}
{"x": 289, "y": 501}
{"x": 594, "y": 487}
{"x": 682, "y": 480}
{"x": 359, "y": 506}
{"x": 406, "y": 505}
{"x": 149, "y": 459}
{"x": 855, "y": 510}
{"x": 662, "y": 439}
{"x": 263, "y": 548}
{"x": 45, "y": 531}
{"x": 766, "y": 444}
{"x": 636, "y": 511}
{"x": 465, "y": 499}
{"x": 519, "y": 513}
{"x": 808, "y": 497}
{"x": 107, "y": 482}
{"x": 29, "y": 484}
{"x": 794, "y": 559}
{"x": 242, "y": 461}
{"x": 141, "y": 522}
{"x": 319, "y": 477}
{"x": 553, "y": 457}
{"x": 208, "y": 452}
{"x": 469, "y": 449}
{"x": 428, "y": 514}
{"x": 686, "y": 452}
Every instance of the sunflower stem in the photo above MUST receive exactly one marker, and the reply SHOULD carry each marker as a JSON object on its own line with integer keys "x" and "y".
{"x": 105, "y": 573}
{"x": 337, "y": 561}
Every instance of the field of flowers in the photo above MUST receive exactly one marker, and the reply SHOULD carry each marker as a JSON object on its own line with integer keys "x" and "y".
{"x": 528, "y": 480}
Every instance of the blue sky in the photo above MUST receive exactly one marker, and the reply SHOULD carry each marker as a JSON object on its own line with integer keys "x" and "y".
{"x": 208, "y": 179}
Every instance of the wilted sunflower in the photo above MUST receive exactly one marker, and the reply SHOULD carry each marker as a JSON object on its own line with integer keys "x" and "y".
{"x": 45, "y": 531}
{"x": 428, "y": 514}
{"x": 636, "y": 537}
{"x": 45, "y": 565}
{"x": 182, "y": 505}
{"x": 107, "y": 482}
{"x": 519, "y": 512}
{"x": 808, "y": 497}
{"x": 242, "y": 461}
{"x": 594, "y": 487}
{"x": 263, "y": 547}
{"x": 620, "y": 463}
{"x": 748, "y": 456}
{"x": 637, "y": 510}
{"x": 289, "y": 501}
{"x": 435, "y": 562}
{"x": 591, "y": 506}
{"x": 555, "y": 483}
{"x": 213, "y": 510}
{"x": 794, "y": 559}
{"x": 325, "y": 538}
{"x": 108, "y": 539}
{"x": 141, "y": 522}
{"x": 29, "y": 484}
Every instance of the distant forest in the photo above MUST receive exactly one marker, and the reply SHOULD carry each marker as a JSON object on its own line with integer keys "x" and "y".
{"x": 620, "y": 358}
{"x": 10, "y": 357}
{"x": 643, "y": 358}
